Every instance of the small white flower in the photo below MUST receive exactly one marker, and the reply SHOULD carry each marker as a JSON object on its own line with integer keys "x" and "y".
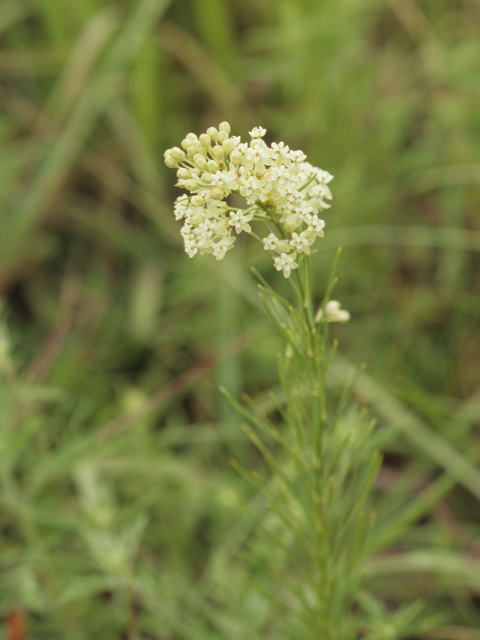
{"x": 206, "y": 227}
{"x": 180, "y": 207}
{"x": 281, "y": 154}
{"x": 304, "y": 212}
{"x": 251, "y": 188}
{"x": 292, "y": 222}
{"x": 324, "y": 177}
{"x": 186, "y": 230}
{"x": 257, "y": 132}
{"x": 226, "y": 180}
{"x": 278, "y": 176}
{"x": 286, "y": 263}
{"x": 297, "y": 156}
{"x": 322, "y": 191}
{"x": 256, "y": 159}
{"x": 219, "y": 252}
{"x": 240, "y": 221}
{"x": 301, "y": 242}
{"x": 220, "y": 227}
{"x": 291, "y": 194}
{"x": 204, "y": 244}
{"x": 221, "y": 248}
{"x": 190, "y": 248}
{"x": 215, "y": 208}
{"x": 270, "y": 242}
{"x": 316, "y": 225}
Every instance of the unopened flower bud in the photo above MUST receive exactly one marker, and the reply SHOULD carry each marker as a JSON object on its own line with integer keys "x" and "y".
{"x": 177, "y": 153}
{"x": 191, "y": 185}
{"x": 212, "y": 133}
{"x": 217, "y": 194}
{"x": 207, "y": 177}
{"x": 197, "y": 201}
{"x": 224, "y": 126}
{"x": 196, "y": 219}
{"x": 212, "y": 166}
{"x": 183, "y": 174}
{"x": 189, "y": 139}
{"x": 200, "y": 161}
{"x": 218, "y": 152}
{"x": 236, "y": 157}
{"x": 222, "y": 136}
{"x": 170, "y": 161}
{"x": 205, "y": 139}
{"x": 228, "y": 145}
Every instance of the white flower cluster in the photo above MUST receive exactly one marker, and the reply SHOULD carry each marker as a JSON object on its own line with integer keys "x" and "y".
{"x": 283, "y": 191}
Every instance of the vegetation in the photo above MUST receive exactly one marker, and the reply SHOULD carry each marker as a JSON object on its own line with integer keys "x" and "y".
{"x": 121, "y": 515}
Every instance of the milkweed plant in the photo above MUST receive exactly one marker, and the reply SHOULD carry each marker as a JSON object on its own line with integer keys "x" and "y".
{"x": 322, "y": 460}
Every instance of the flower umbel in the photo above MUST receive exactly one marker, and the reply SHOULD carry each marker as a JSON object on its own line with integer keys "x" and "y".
{"x": 281, "y": 189}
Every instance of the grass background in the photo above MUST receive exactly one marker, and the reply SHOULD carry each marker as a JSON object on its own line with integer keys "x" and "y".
{"x": 120, "y": 516}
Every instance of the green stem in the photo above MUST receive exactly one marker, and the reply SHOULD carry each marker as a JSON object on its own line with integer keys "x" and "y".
{"x": 305, "y": 185}
{"x": 313, "y": 375}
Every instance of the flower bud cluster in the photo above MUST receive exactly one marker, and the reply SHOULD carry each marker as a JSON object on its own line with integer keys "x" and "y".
{"x": 283, "y": 191}
{"x": 333, "y": 313}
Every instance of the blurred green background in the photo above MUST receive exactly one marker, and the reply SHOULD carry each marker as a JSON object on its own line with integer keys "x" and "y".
{"x": 120, "y": 516}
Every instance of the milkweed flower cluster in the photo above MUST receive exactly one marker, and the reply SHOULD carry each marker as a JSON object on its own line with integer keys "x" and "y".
{"x": 284, "y": 192}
